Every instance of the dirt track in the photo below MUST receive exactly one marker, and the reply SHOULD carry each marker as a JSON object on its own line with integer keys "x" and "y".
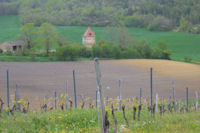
{"x": 41, "y": 79}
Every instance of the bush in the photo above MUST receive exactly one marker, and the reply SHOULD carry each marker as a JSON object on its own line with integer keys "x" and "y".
{"x": 161, "y": 24}
{"x": 68, "y": 52}
{"x": 130, "y": 53}
{"x": 8, "y": 51}
{"x": 135, "y": 20}
{"x": 106, "y": 51}
{"x": 102, "y": 50}
{"x": 160, "y": 51}
{"x": 187, "y": 58}
{"x": 1, "y": 51}
{"x": 144, "y": 50}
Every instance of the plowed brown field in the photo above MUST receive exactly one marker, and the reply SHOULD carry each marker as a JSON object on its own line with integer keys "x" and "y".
{"x": 41, "y": 79}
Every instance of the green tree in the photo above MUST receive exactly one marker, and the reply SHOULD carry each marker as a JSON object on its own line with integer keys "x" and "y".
{"x": 48, "y": 36}
{"x": 27, "y": 34}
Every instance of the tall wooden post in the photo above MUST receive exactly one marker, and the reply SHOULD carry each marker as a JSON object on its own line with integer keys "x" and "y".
{"x": 55, "y": 99}
{"x": 8, "y": 91}
{"x": 67, "y": 94}
{"x": 75, "y": 98}
{"x": 101, "y": 91}
{"x": 174, "y": 96}
{"x": 17, "y": 98}
{"x": 140, "y": 96}
{"x": 120, "y": 95}
{"x": 151, "y": 84}
{"x": 156, "y": 102}
{"x": 96, "y": 98}
{"x": 187, "y": 104}
{"x": 197, "y": 101}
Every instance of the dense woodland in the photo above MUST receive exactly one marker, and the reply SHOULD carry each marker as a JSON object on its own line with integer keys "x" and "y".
{"x": 179, "y": 15}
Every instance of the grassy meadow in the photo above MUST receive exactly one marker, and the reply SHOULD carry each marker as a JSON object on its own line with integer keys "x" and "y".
{"x": 181, "y": 44}
{"x": 86, "y": 121}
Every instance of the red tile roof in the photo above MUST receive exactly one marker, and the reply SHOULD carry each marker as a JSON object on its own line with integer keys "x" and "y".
{"x": 89, "y": 33}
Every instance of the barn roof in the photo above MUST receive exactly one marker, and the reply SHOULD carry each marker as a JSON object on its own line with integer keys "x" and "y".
{"x": 89, "y": 33}
{"x": 12, "y": 43}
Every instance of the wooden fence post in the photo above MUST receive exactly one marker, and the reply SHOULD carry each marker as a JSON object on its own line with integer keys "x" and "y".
{"x": 174, "y": 96}
{"x": 55, "y": 99}
{"x": 67, "y": 94}
{"x": 75, "y": 98}
{"x": 187, "y": 104}
{"x": 197, "y": 101}
{"x": 120, "y": 95}
{"x": 156, "y": 102}
{"x": 96, "y": 98}
{"x": 101, "y": 91}
{"x": 140, "y": 96}
{"x": 8, "y": 91}
{"x": 17, "y": 98}
{"x": 151, "y": 84}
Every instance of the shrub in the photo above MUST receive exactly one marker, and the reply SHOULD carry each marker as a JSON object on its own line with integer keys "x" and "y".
{"x": 144, "y": 50}
{"x": 68, "y": 52}
{"x": 187, "y": 58}
{"x": 161, "y": 24}
{"x": 102, "y": 50}
{"x": 130, "y": 53}
{"x": 1, "y": 51}
{"x": 135, "y": 20}
{"x": 8, "y": 51}
{"x": 160, "y": 51}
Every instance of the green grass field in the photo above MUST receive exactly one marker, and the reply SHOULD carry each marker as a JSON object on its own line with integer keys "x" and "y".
{"x": 86, "y": 121}
{"x": 181, "y": 44}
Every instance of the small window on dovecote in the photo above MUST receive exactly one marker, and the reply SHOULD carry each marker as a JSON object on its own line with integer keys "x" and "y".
{"x": 90, "y": 34}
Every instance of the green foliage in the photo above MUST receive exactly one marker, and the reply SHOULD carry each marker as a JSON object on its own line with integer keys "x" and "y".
{"x": 180, "y": 44}
{"x": 27, "y": 34}
{"x": 154, "y": 14}
{"x": 185, "y": 26}
{"x": 48, "y": 36}
{"x": 135, "y": 20}
{"x": 161, "y": 24}
{"x": 68, "y": 52}
{"x": 113, "y": 51}
{"x": 1, "y": 51}
{"x": 86, "y": 120}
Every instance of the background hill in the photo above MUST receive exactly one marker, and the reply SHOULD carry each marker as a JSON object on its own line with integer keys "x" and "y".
{"x": 182, "y": 15}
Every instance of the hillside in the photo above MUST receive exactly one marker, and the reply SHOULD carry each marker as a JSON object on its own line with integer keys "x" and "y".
{"x": 150, "y": 14}
{"x": 181, "y": 44}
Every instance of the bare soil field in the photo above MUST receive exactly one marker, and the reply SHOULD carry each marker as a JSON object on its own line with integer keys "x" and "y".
{"x": 41, "y": 79}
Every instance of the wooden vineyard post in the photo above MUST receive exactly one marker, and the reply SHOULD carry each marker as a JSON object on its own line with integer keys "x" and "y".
{"x": 55, "y": 99}
{"x": 75, "y": 98}
{"x": 120, "y": 95}
{"x": 197, "y": 101}
{"x": 17, "y": 98}
{"x": 96, "y": 98}
{"x": 156, "y": 102}
{"x": 67, "y": 94}
{"x": 174, "y": 97}
{"x": 187, "y": 106}
{"x": 8, "y": 92}
{"x": 151, "y": 86}
{"x": 101, "y": 91}
{"x": 140, "y": 96}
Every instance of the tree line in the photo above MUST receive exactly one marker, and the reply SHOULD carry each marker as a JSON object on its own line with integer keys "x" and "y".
{"x": 180, "y": 15}
{"x": 45, "y": 41}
